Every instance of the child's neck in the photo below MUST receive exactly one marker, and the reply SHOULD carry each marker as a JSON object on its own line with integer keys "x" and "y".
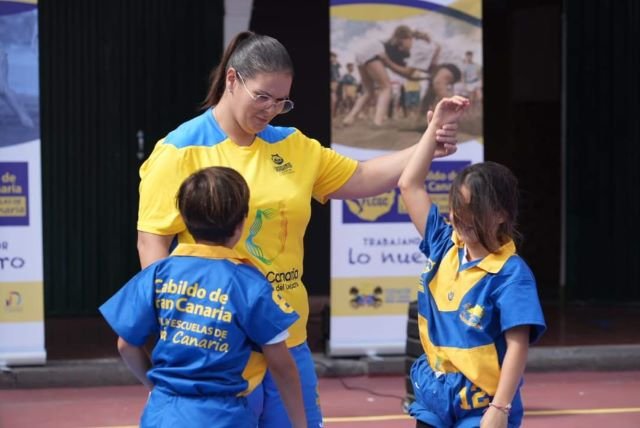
{"x": 476, "y": 251}
{"x": 226, "y": 244}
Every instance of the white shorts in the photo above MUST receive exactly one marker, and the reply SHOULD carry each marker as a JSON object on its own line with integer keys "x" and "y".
{"x": 369, "y": 52}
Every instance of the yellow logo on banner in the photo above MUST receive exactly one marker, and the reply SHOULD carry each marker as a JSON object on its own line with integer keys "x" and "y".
{"x": 372, "y": 296}
{"x": 13, "y": 302}
{"x": 372, "y": 208}
{"x": 21, "y": 302}
{"x": 13, "y": 206}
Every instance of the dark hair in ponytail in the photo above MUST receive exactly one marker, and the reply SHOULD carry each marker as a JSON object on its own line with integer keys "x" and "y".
{"x": 250, "y": 54}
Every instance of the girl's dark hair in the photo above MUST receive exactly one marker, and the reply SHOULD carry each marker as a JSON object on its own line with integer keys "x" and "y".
{"x": 494, "y": 191}
{"x": 391, "y": 46}
{"x": 250, "y": 54}
{"x": 401, "y": 32}
{"x": 213, "y": 202}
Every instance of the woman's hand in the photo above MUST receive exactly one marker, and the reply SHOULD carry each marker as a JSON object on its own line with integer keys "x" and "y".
{"x": 446, "y": 138}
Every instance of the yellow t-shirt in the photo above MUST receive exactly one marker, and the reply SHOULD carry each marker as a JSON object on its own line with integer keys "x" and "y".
{"x": 411, "y": 85}
{"x": 284, "y": 170}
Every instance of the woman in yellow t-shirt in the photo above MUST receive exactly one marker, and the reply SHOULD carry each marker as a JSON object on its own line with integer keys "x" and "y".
{"x": 284, "y": 170}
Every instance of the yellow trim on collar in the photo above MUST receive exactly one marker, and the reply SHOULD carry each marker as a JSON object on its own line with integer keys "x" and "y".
{"x": 210, "y": 252}
{"x": 493, "y": 262}
{"x": 456, "y": 239}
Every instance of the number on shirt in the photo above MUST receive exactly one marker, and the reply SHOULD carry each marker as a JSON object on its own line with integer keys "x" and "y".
{"x": 479, "y": 398}
{"x": 283, "y": 304}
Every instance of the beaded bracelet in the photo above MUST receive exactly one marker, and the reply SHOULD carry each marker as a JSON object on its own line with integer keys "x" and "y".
{"x": 504, "y": 409}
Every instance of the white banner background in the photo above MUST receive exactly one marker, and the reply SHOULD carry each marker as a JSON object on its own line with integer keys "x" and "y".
{"x": 21, "y": 272}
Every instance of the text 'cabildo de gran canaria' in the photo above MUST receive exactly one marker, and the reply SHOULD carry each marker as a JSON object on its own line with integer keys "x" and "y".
{"x": 188, "y": 293}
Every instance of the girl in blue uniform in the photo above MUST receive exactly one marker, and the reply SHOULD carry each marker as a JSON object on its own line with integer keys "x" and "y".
{"x": 478, "y": 308}
{"x": 219, "y": 321}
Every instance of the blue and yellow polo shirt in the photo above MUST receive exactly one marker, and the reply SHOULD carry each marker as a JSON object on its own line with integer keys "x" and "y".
{"x": 284, "y": 170}
{"x": 464, "y": 309}
{"x": 212, "y": 312}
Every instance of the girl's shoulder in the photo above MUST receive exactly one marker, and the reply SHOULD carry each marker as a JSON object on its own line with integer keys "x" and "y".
{"x": 516, "y": 269}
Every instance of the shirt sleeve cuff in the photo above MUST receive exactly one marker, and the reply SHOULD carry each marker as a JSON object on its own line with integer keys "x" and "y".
{"x": 280, "y": 337}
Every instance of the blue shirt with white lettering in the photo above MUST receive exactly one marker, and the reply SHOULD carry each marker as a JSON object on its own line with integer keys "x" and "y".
{"x": 211, "y": 311}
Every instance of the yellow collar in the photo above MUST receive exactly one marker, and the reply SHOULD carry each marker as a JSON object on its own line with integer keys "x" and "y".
{"x": 209, "y": 252}
{"x": 492, "y": 262}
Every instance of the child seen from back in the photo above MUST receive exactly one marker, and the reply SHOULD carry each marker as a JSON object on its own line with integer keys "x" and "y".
{"x": 478, "y": 307}
{"x": 219, "y": 321}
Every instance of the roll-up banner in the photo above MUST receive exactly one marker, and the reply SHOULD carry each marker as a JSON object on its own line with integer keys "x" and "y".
{"x": 391, "y": 62}
{"x": 21, "y": 285}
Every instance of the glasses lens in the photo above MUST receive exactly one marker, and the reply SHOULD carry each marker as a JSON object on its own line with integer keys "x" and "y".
{"x": 287, "y": 106}
{"x": 263, "y": 101}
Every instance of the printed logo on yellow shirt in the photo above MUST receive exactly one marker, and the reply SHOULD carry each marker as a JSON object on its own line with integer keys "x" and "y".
{"x": 253, "y": 245}
{"x": 281, "y": 166}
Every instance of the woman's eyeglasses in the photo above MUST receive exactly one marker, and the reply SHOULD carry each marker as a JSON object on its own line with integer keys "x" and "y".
{"x": 265, "y": 102}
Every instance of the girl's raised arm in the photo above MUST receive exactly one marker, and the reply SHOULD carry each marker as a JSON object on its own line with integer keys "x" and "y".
{"x": 411, "y": 183}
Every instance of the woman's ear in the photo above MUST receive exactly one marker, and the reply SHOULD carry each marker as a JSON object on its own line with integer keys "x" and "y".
{"x": 230, "y": 79}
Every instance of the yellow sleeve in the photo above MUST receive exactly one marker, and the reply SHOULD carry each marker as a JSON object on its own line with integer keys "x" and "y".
{"x": 160, "y": 178}
{"x": 334, "y": 170}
